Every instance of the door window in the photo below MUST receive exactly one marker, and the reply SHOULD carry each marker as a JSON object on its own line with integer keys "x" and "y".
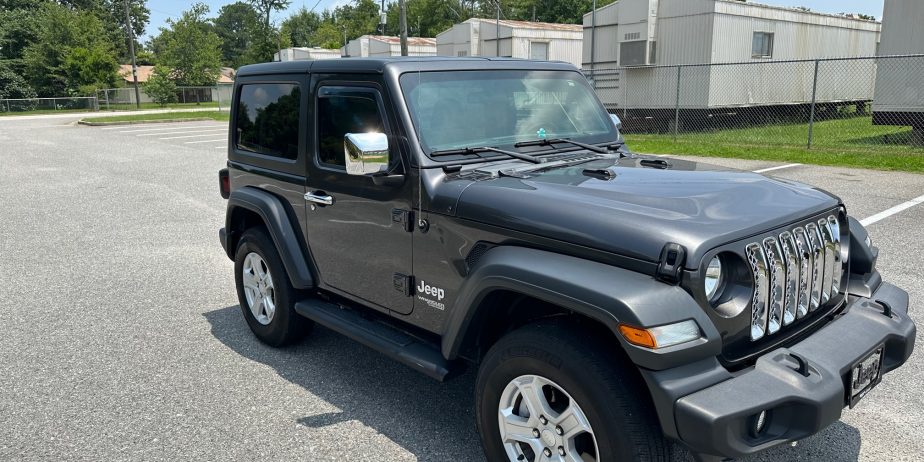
{"x": 343, "y": 110}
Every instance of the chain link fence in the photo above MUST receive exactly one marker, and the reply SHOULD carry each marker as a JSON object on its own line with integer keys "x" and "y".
{"x": 41, "y": 105}
{"x": 218, "y": 97}
{"x": 841, "y": 105}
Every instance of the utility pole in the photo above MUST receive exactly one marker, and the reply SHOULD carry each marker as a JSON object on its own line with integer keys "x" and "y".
{"x": 403, "y": 25}
{"x": 593, "y": 33}
{"x": 382, "y": 18}
{"x": 497, "y": 30}
{"x": 131, "y": 49}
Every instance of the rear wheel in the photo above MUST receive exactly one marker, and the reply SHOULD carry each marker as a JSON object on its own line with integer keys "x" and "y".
{"x": 264, "y": 291}
{"x": 546, "y": 393}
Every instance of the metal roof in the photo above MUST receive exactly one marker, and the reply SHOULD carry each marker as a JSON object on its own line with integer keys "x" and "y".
{"x": 532, "y": 25}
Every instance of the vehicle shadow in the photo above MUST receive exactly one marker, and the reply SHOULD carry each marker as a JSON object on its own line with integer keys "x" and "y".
{"x": 432, "y": 420}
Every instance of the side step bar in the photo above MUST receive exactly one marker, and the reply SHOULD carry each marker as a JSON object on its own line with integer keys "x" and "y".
{"x": 420, "y": 356}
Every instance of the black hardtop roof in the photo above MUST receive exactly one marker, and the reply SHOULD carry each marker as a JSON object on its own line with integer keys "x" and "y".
{"x": 401, "y": 64}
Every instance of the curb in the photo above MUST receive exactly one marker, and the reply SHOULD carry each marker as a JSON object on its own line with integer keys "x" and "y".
{"x": 134, "y": 122}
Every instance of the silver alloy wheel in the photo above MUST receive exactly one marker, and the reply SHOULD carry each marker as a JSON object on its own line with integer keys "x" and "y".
{"x": 540, "y": 421}
{"x": 258, "y": 288}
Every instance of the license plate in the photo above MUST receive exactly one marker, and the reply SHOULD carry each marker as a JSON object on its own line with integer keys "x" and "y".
{"x": 864, "y": 376}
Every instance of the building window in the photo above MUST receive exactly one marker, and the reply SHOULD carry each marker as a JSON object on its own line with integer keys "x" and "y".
{"x": 539, "y": 51}
{"x": 267, "y": 119}
{"x": 762, "y": 46}
{"x": 461, "y": 54}
{"x": 632, "y": 36}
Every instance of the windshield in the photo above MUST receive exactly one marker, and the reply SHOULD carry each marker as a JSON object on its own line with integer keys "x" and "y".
{"x": 453, "y": 110}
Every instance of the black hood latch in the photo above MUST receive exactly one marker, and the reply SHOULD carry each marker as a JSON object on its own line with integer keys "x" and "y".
{"x": 671, "y": 263}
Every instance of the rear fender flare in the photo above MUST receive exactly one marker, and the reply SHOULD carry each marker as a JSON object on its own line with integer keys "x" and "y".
{"x": 282, "y": 228}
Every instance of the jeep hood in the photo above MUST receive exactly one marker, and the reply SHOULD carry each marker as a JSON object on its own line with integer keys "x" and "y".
{"x": 640, "y": 209}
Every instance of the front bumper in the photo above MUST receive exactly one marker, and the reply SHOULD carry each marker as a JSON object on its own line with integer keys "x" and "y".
{"x": 717, "y": 420}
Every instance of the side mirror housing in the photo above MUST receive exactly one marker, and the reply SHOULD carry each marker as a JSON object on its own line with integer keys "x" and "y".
{"x": 366, "y": 153}
{"x": 616, "y": 121}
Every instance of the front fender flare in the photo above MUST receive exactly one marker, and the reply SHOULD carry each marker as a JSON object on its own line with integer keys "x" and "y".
{"x": 605, "y": 293}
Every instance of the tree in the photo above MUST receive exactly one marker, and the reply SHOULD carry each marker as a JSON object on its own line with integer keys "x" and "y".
{"x": 236, "y": 25}
{"x": 12, "y": 85}
{"x": 299, "y": 29}
{"x": 160, "y": 88}
{"x": 358, "y": 18}
{"x": 865, "y": 17}
{"x": 70, "y": 54}
{"x": 327, "y": 36}
{"x": 89, "y": 69}
{"x": 265, "y": 7}
{"x": 190, "y": 48}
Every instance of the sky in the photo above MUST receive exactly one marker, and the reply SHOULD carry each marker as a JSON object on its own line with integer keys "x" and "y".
{"x": 163, "y": 9}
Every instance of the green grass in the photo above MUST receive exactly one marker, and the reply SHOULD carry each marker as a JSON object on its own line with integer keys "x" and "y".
{"x": 42, "y": 111}
{"x": 853, "y": 142}
{"x": 129, "y": 106}
{"x": 214, "y": 115}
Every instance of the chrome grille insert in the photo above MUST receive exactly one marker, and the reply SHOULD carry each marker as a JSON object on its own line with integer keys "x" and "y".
{"x": 805, "y": 272}
{"x": 818, "y": 264}
{"x": 791, "y": 263}
{"x": 777, "y": 285}
{"x": 759, "y": 301}
{"x": 794, "y": 274}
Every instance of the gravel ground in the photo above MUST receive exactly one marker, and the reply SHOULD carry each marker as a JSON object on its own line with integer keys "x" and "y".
{"x": 121, "y": 339}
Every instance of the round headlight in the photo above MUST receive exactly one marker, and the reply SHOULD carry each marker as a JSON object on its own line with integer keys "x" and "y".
{"x": 713, "y": 279}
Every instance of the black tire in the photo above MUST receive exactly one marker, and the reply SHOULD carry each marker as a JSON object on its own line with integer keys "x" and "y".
{"x": 599, "y": 378}
{"x": 286, "y": 326}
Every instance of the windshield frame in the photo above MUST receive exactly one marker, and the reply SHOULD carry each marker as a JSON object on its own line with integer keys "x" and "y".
{"x": 407, "y": 85}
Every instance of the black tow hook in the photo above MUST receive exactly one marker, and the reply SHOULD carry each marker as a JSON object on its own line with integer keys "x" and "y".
{"x": 803, "y": 364}
{"x": 886, "y": 308}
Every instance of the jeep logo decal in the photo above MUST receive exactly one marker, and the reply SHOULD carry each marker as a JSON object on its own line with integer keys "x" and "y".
{"x": 424, "y": 288}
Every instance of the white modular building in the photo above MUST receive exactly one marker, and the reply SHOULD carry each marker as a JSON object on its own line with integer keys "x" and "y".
{"x": 386, "y": 45}
{"x": 900, "y": 81}
{"x": 639, "y": 40}
{"x": 513, "y": 39}
{"x": 304, "y": 53}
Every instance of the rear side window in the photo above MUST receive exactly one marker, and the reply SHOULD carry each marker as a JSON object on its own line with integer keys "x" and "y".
{"x": 267, "y": 119}
{"x": 343, "y": 110}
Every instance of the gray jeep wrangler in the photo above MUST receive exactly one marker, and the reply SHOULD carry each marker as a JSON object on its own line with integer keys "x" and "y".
{"x": 486, "y": 212}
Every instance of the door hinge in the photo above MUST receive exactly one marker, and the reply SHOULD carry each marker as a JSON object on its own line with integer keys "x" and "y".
{"x": 404, "y": 284}
{"x": 671, "y": 264}
{"x": 403, "y": 217}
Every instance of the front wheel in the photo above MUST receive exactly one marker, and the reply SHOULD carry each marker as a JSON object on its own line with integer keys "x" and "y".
{"x": 546, "y": 393}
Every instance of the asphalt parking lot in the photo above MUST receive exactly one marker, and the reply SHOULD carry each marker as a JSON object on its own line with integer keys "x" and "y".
{"x": 121, "y": 338}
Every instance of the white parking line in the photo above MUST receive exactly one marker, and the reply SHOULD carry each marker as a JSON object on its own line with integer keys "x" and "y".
{"x": 187, "y": 136}
{"x": 892, "y": 211}
{"x": 180, "y": 132}
{"x": 206, "y": 141}
{"x": 182, "y": 127}
{"x": 162, "y": 124}
{"x": 781, "y": 167}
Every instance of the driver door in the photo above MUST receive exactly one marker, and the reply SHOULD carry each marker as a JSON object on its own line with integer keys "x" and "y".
{"x": 360, "y": 246}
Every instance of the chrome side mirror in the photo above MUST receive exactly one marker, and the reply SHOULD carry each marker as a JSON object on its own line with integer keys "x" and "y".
{"x": 365, "y": 153}
{"x": 616, "y": 121}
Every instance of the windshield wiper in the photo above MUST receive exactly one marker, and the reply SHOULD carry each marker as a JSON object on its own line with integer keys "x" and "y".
{"x": 466, "y": 151}
{"x": 549, "y": 142}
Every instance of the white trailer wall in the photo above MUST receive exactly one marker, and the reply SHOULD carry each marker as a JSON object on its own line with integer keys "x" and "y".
{"x": 796, "y": 36}
{"x": 684, "y": 32}
{"x": 899, "y": 83}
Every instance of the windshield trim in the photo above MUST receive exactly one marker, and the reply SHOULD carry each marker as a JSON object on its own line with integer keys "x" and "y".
{"x": 611, "y": 137}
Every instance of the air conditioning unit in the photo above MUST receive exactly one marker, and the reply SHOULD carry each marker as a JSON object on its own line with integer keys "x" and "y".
{"x": 638, "y": 53}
